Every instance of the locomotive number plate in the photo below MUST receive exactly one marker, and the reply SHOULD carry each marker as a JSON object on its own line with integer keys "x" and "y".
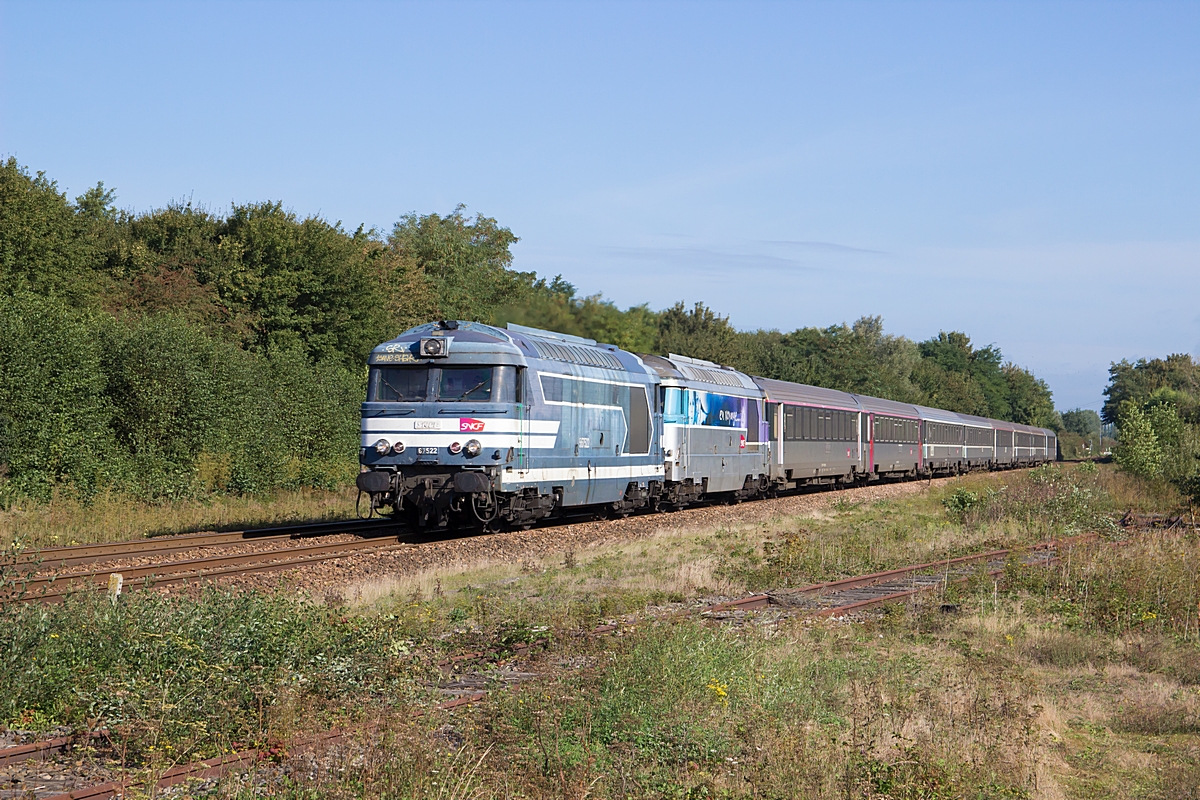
{"x": 427, "y": 451}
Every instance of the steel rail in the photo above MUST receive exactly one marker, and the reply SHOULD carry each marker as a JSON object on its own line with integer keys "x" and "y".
{"x": 885, "y": 587}
{"x": 75, "y": 555}
{"x": 18, "y": 754}
{"x": 53, "y": 587}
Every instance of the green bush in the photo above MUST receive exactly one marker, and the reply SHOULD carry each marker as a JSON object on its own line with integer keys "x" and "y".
{"x": 960, "y": 501}
{"x": 157, "y": 407}
{"x": 56, "y": 417}
{"x": 192, "y": 676}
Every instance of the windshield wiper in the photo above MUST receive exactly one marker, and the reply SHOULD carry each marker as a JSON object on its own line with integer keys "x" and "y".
{"x": 400, "y": 398}
{"x": 463, "y": 396}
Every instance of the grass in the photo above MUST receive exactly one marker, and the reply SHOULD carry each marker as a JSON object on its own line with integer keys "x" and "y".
{"x": 107, "y": 518}
{"x": 1081, "y": 681}
{"x": 1007, "y": 698}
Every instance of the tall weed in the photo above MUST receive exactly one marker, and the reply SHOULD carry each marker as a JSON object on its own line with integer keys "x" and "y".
{"x": 190, "y": 677}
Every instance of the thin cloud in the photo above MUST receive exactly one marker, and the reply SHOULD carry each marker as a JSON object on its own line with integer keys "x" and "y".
{"x": 828, "y": 247}
{"x": 707, "y": 259}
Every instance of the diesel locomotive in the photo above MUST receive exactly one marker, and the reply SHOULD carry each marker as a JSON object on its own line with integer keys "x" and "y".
{"x": 466, "y": 423}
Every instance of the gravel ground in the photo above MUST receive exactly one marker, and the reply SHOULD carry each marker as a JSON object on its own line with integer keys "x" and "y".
{"x": 339, "y": 577}
{"x": 149, "y": 558}
{"x": 58, "y": 774}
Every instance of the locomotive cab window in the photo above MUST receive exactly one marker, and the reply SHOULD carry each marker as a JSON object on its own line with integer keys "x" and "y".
{"x": 399, "y": 384}
{"x": 477, "y": 385}
{"x": 451, "y": 384}
{"x": 465, "y": 384}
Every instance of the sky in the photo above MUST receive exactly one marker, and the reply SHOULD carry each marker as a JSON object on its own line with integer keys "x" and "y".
{"x": 1028, "y": 173}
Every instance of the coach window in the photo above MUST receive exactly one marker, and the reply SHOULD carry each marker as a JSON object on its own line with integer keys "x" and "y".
{"x": 789, "y": 424}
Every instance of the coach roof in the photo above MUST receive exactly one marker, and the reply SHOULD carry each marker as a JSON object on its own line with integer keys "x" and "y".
{"x": 877, "y": 405}
{"x": 785, "y": 392}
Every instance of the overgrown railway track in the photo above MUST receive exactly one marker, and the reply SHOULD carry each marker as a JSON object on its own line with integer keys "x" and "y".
{"x": 462, "y": 680}
{"x": 862, "y": 592}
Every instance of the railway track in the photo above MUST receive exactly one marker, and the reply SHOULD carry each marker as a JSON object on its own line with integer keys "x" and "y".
{"x": 828, "y": 599}
{"x": 40, "y": 578}
{"x": 849, "y": 595}
{"x": 50, "y": 574}
{"x": 75, "y": 555}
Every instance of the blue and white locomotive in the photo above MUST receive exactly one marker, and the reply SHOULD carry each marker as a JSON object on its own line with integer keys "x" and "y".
{"x": 469, "y": 423}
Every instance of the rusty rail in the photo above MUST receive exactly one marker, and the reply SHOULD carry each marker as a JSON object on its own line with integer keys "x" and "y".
{"x": 76, "y": 555}
{"x": 53, "y": 588}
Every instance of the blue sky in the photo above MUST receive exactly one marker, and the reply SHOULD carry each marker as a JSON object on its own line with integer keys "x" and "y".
{"x": 1028, "y": 173}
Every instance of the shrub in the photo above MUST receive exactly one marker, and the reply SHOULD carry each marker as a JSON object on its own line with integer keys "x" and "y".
{"x": 192, "y": 676}
{"x": 960, "y": 501}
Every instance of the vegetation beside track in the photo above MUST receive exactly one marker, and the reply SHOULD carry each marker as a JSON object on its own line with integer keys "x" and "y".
{"x": 1078, "y": 681}
{"x": 66, "y": 520}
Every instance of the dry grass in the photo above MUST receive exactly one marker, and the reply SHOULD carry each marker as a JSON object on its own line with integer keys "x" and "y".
{"x": 1078, "y": 682}
{"x": 108, "y": 518}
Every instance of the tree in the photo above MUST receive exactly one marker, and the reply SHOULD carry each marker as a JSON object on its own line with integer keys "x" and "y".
{"x": 699, "y": 333}
{"x": 1136, "y": 382}
{"x": 1030, "y": 399}
{"x": 306, "y": 283}
{"x": 1138, "y": 451}
{"x": 41, "y": 246}
{"x": 466, "y": 263}
{"x": 944, "y": 388}
{"x": 1083, "y": 421}
{"x": 953, "y": 352}
{"x": 52, "y": 396}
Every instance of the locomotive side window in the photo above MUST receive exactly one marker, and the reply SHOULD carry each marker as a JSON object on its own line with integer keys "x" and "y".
{"x": 639, "y": 421}
{"x": 398, "y": 384}
{"x": 505, "y": 386}
{"x": 629, "y": 400}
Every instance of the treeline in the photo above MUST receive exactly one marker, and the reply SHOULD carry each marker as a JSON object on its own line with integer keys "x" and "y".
{"x": 180, "y": 351}
{"x": 1156, "y": 406}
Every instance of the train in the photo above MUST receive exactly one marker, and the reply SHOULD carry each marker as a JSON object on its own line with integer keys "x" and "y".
{"x": 471, "y": 424}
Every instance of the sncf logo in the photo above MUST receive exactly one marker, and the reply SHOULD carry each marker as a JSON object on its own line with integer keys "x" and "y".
{"x": 467, "y": 425}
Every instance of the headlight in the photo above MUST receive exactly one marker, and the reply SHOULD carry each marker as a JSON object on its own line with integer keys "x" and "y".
{"x": 456, "y": 448}
{"x": 382, "y": 446}
{"x": 473, "y": 447}
{"x": 398, "y": 448}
